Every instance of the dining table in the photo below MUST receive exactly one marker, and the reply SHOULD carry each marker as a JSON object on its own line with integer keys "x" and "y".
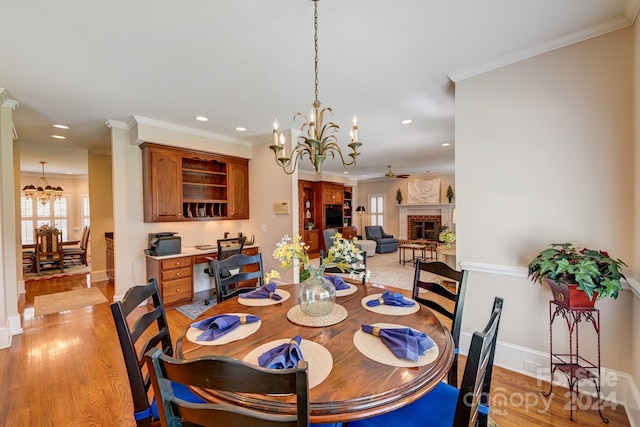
{"x": 352, "y": 375}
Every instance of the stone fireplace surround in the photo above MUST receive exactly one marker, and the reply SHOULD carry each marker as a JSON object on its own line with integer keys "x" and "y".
{"x": 427, "y": 211}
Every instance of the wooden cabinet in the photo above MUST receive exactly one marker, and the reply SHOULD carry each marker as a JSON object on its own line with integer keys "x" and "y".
{"x": 332, "y": 194}
{"x": 110, "y": 263}
{"x": 161, "y": 185}
{"x": 312, "y": 238}
{"x": 347, "y": 209}
{"x": 238, "y": 174}
{"x": 175, "y": 279}
{"x": 187, "y": 185}
{"x": 349, "y": 232}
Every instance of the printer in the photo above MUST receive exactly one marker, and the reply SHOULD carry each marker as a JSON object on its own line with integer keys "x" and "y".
{"x": 166, "y": 243}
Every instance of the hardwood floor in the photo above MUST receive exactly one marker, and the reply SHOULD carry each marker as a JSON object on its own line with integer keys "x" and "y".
{"x": 66, "y": 369}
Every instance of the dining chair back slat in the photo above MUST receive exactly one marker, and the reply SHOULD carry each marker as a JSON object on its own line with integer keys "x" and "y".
{"x": 449, "y": 284}
{"x": 241, "y": 268}
{"x": 222, "y": 373}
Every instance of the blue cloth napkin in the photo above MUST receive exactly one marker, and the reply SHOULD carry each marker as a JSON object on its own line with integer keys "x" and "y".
{"x": 405, "y": 343}
{"x": 266, "y": 291}
{"x": 284, "y": 356}
{"x": 217, "y": 326}
{"x": 389, "y": 298}
{"x": 338, "y": 282}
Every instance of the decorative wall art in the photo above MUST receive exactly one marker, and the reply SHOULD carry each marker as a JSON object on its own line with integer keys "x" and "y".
{"x": 424, "y": 192}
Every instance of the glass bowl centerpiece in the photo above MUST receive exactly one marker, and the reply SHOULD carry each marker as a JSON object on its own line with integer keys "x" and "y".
{"x": 316, "y": 294}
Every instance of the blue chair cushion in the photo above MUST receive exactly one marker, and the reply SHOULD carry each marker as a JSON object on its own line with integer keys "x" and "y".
{"x": 180, "y": 391}
{"x": 437, "y": 408}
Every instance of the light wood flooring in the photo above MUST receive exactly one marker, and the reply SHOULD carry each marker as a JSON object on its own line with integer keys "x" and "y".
{"x": 66, "y": 369}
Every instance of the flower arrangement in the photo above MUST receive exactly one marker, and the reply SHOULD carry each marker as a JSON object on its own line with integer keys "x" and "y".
{"x": 343, "y": 254}
{"x": 592, "y": 270}
{"x": 447, "y": 236}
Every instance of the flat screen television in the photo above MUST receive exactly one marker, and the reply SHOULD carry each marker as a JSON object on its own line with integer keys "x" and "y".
{"x": 333, "y": 216}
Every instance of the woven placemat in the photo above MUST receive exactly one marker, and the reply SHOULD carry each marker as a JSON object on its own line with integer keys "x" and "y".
{"x": 297, "y": 316}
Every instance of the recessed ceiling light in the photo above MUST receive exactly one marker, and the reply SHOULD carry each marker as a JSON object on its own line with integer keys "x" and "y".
{"x": 345, "y": 172}
{"x": 406, "y": 121}
{"x": 202, "y": 119}
{"x": 241, "y": 129}
{"x": 364, "y": 176}
{"x": 61, "y": 126}
{"x": 446, "y": 144}
{"x": 58, "y": 137}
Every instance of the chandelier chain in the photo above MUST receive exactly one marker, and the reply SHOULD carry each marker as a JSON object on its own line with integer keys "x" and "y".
{"x": 315, "y": 20}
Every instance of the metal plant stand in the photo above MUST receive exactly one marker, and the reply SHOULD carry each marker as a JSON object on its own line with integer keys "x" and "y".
{"x": 571, "y": 364}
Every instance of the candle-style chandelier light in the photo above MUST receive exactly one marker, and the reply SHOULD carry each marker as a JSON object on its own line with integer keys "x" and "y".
{"x": 320, "y": 140}
{"x": 42, "y": 191}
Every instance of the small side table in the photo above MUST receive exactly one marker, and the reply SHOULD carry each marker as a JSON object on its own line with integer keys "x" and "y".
{"x": 572, "y": 364}
{"x": 448, "y": 255}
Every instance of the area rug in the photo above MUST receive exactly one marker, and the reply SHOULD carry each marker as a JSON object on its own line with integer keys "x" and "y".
{"x": 63, "y": 301}
{"x": 195, "y": 309}
{"x": 76, "y": 270}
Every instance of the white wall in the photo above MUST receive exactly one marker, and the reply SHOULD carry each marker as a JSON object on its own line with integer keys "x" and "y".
{"x": 389, "y": 188}
{"x": 544, "y": 154}
{"x": 267, "y": 184}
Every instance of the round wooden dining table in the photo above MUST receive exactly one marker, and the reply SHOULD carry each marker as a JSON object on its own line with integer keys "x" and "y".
{"x": 357, "y": 387}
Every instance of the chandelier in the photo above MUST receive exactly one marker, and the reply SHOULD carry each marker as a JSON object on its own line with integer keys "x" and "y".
{"x": 320, "y": 140}
{"x": 42, "y": 192}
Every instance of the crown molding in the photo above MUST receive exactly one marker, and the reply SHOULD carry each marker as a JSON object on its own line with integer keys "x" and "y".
{"x": 631, "y": 10}
{"x": 614, "y": 24}
{"x": 116, "y": 124}
{"x": 191, "y": 131}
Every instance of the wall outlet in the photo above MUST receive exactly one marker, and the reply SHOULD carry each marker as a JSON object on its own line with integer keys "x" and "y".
{"x": 529, "y": 366}
{"x": 264, "y": 228}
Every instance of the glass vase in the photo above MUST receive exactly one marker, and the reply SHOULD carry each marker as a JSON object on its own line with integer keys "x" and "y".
{"x": 316, "y": 294}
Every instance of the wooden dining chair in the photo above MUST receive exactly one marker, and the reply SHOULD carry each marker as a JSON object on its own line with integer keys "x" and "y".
{"x": 240, "y": 268}
{"x": 226, "y": 248}
{"x": 150, "y": 328}
{"x": 445, "y": 295}
{"x": 48, "y": 249}
{"x": 445, "y": 405}
{"x": 78, "y": 253}
{"x": 231, "y": 375}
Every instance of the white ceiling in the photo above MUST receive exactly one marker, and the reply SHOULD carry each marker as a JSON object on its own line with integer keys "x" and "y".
{"x": 244, "y": 62}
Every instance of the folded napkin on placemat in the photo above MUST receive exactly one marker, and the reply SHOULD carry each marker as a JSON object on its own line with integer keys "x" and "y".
{"x": 389, "y": 298}
{"x": 217, "y": 326}
{"x": 338, "y": 282}
{"x": 266, "y": 291}
{"x": 284, "y": 356}
{"x": 405, "y": 343}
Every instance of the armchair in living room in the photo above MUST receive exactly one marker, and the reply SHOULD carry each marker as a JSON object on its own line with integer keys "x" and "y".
{"x": 385, "y": 242}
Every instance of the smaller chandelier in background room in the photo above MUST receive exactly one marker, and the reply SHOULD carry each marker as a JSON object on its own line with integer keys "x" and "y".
{"x": 42, "y": 191}
{"x": 320, "y": 141}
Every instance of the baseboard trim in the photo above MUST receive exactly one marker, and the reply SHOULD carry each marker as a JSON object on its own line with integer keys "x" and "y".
{"x": 11, "y": 328}
{"x": 99, "y": 276}
{"x": 617, "y": 388}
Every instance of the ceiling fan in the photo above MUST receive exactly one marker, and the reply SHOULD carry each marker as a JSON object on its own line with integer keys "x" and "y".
{"x": 390, "y": 174}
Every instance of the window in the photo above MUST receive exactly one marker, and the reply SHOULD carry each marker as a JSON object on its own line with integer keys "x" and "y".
{"x": 84, "y": 199}
{"x": 34, "y": 214}
{"x": 376, "y": 207}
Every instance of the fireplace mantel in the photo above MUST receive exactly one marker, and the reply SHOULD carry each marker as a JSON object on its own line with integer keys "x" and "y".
{"x": 444, "y": 210}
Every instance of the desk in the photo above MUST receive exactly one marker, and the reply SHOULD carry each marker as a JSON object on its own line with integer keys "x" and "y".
{"x": 174, "y": 273}
{"x": 357, "y": 386}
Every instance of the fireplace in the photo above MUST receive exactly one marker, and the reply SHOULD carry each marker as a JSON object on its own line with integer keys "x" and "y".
{"x": 423, "y": 227}
{"x": 441, "y": 212}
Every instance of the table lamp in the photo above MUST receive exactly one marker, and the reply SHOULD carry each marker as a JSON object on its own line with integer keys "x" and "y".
{"x": 361, "y": 210}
